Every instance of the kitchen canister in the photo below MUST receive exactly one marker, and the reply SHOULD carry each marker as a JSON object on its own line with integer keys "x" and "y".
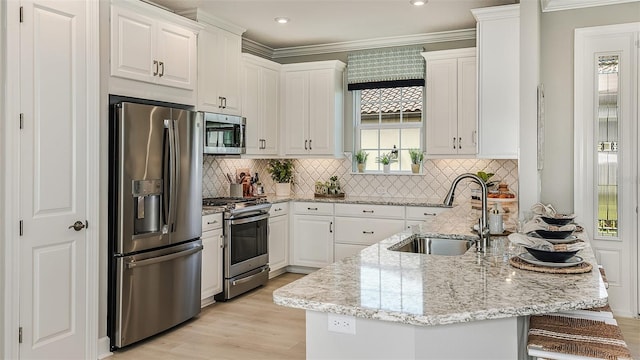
{"x": 496, "y": 226}
{"x": 235, "y": 190}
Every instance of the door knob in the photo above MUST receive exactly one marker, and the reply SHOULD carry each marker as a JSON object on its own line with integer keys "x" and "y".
{"x": 79, "y": 225}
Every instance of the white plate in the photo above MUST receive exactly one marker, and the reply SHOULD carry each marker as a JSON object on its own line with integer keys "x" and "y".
{"x": 572, "y": 261}
{"x": 568, "y": 239}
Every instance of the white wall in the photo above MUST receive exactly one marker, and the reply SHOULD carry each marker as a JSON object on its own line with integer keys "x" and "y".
{"x": 557, "y": 37}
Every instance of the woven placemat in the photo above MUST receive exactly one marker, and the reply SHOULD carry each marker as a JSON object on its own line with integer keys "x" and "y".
{"x": 584, "y": 267}
{"x": 578, "y": 337}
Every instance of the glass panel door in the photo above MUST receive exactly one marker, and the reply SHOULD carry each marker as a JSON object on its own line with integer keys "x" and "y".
{"x": 607, "y": 145}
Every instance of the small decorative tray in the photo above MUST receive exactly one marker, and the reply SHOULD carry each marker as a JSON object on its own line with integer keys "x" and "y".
{"x": 334, "y": 196}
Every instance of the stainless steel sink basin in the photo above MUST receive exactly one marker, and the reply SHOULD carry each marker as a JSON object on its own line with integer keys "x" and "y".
{"x": 435, "y": 246}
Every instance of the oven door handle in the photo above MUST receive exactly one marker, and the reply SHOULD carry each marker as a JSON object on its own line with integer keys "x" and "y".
{"x": 245, "y": 220}
{"x": 249, "y": 278}
{"x": 132, "y": 264}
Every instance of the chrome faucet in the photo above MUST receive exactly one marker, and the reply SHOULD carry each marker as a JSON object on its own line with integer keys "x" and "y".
{"x": 483, "y": 225}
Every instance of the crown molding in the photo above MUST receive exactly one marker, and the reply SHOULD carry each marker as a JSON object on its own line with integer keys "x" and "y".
{"x": 556, "y": 5}
{"x": 256, "y": 48}
{"x": 497, "y": 12}
{"x": 206, "y": 18}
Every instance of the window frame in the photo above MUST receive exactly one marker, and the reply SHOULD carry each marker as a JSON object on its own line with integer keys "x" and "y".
{"x": 358, "y": 126}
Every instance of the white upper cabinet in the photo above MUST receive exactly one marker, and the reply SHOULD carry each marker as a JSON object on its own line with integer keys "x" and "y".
{"x": 312, "y": 98}
{"x": 498, "y": 43}
{"x": 158, "y": 47}
{"x": 260, "y": 100}
{"x": 451, "y": 109}
{"x": 219, "y": 59}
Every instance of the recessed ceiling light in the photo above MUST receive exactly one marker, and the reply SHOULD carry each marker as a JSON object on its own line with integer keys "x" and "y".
{"x": 281, "y": 20}
{"x": 418, "y": 2}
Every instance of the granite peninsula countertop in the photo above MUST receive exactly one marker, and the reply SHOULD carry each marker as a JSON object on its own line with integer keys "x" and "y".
{"x": 425, "y": 290}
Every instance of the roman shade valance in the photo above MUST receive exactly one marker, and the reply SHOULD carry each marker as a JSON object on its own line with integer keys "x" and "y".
{"x": 385, "y": 68}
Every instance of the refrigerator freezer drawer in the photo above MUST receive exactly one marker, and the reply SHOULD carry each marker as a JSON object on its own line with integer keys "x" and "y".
{"x": 156, "y": 290}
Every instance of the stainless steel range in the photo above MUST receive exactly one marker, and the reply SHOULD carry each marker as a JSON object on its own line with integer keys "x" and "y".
{"x": 246, "y": 238}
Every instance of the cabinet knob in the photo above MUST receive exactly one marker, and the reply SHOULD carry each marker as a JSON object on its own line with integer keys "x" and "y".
{"x": 212, "y": 222}
{"x": 429, "y": 214}
{"x": 305, "y": 144}
{"x": 310, "y": 208}
{"x": 161, "y": 68}
{"x": 368, "y": 211}
{"x": 310, "y": 145}
{"x": 155, "y": 64}
{"x": 459, "y": 143}
{"x": 368, "y": 232}
{"x": 331, "y": 227}
{"x": 454, "y": 143}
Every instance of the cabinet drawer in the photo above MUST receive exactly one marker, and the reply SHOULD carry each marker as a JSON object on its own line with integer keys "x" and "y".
{"x": 365, "y": 231}
{"x": 279, "y": 209}
{"x": 211, "y": 222}
{"x": 376, "y": 211}
{"x": 313, "y": 208}
{"x": 423, "y": 212}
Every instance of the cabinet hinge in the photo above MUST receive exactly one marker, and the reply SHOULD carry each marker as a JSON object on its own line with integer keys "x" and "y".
{"x": 20, "y": 335}
{"x": 21, "y": 228}
{"x": 21, "y": 14}
{"x": 21, "y": 121}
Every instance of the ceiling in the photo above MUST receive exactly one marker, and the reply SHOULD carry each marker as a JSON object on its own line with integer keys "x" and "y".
{"x": 317, "y": 22}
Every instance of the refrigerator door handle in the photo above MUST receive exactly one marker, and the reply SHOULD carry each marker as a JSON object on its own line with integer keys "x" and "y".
{"x": 132, "y": 263}
{"x": 170, "y": 124}
{"x": 175, "y": 177}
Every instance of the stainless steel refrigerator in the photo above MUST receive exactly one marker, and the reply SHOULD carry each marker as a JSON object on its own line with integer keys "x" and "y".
{"x": 155, "y": 210}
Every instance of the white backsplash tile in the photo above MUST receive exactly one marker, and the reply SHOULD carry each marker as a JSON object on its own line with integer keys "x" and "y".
{"x": 433, "y": 184}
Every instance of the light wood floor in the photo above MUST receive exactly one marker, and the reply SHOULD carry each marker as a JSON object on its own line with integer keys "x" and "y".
{"x": 248, "y": 327}
{"x": 253, "y": 327}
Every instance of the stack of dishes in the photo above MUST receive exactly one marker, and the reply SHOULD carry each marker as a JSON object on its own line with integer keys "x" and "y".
{"x": 559, "y": 230}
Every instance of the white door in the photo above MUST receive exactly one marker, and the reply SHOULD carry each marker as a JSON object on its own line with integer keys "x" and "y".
{"x": 606, "y": 173}
{"x": 467, "y": 106}
{"x": 321, "y": 112}
{"x": 312, "y": 240}
{"x": 296, "y": 112}
{"x": 132, "y": 45}
{"x": 270, "y": 96}
{"x": 176, "y": 54}
{"x": 251, "y": 99}
{"x": 53, "y": 180}
{"x": 442, "y": 108}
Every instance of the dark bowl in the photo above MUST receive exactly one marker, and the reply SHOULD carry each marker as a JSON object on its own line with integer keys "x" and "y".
{"x": 548, "y": 234}
{"x": 558, "y": 221}
{"x": 551, "y": 256}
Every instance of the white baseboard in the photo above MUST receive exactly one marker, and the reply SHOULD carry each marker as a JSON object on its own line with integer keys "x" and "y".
{"x": 104, "y": 350}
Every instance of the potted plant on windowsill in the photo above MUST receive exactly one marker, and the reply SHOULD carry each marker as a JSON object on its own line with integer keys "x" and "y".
{"x": 361, "y": 159}
{"x": 416, "y": 160}
{"x": 386, "y": 159}
{"x": 282, "y": 174}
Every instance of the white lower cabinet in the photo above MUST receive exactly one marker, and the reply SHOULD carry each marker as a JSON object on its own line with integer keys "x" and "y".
{"x": 312, "y": 236}
{"x": 278, "y": 237}
{"x": 418, "y": 214}
{"x": 212, "y": 242}
{"x": 359, "y": 225}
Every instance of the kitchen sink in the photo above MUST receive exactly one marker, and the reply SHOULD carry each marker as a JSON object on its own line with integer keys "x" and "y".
{"x": 434, "y": 246}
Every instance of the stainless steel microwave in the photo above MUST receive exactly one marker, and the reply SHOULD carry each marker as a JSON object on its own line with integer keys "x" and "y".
{"x": 224, "y": 134}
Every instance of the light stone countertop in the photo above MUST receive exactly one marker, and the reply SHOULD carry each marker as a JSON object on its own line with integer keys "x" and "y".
{"x": 373, "y": 200}
{"x": 428, "y": 290}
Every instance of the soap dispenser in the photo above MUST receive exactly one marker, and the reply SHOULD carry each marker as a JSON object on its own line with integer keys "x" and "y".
{"x": 496, "y": 226}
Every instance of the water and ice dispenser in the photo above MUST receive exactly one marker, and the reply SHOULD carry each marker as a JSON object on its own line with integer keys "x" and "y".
{"x": 147, "y": 202}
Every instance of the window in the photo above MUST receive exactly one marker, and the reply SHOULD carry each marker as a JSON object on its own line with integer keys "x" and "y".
{"x": 389, "y": 120}
{"x": 607, "y": 145}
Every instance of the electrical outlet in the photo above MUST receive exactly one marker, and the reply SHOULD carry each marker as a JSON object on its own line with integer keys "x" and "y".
{"x": 342, "y": 324}
{"x": 381, "y": 190}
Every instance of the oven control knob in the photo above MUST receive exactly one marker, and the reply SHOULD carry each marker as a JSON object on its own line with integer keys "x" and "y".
{"x": 231, "y": 206}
